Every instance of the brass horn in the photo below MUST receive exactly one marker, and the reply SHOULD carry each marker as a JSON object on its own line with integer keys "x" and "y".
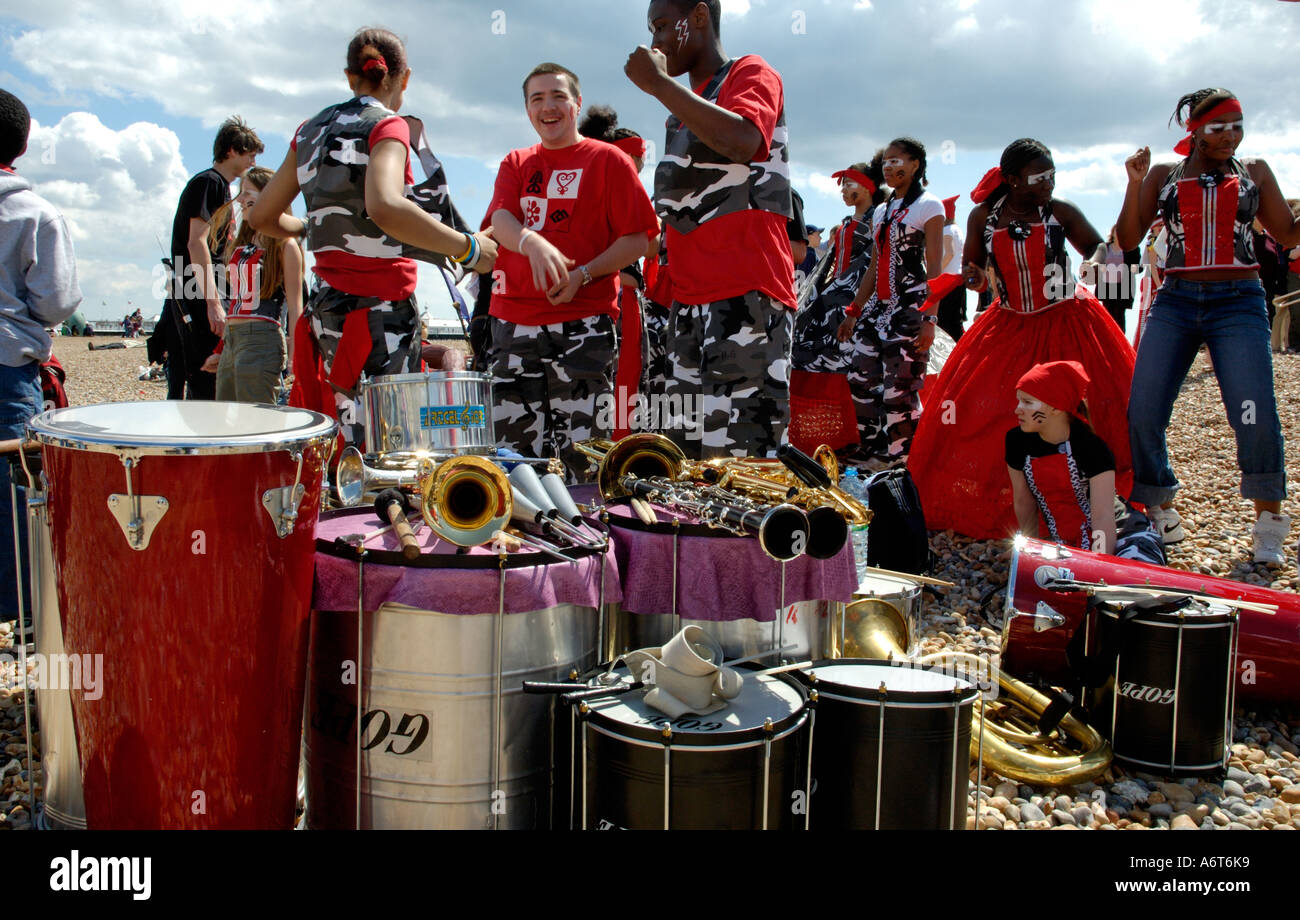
{"x": 353, "y": 478}
{"x": 465, "y": 500}
{"x": 1070, "y": 754}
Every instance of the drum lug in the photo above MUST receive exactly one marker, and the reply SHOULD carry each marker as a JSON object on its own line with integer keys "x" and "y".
{"x": 282, "y": 507}
{"x": 1045, "y": 617}
{"x": 137, "y": 515}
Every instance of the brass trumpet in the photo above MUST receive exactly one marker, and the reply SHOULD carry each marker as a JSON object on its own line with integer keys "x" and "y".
{"x": 1072, "y": 753}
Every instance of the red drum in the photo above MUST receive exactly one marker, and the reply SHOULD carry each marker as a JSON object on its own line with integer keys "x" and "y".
{"x": 183, "y": 539}
{"x": 1034, "y": 637}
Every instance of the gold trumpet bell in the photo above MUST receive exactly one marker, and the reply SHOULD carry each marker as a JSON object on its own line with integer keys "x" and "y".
{"x": 645, "y": 455}
{"x": 465, "y": 500}
{"x": 1072, "y": 753}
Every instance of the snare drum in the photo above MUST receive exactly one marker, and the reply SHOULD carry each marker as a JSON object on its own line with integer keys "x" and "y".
{"x": 742, "y": 767}
{"x": 1168, "y": 704}
{"x": 891, "y": 748}
{"x": 444, "y": 411}
{"x": 900, "y": 595}
{"x": 182, "y": 537}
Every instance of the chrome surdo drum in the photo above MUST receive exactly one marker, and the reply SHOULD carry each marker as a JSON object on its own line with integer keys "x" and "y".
{"x": 1166, "y": 703}
{"x": 444, "y": 411}
{"x": 853, "y": 624}
{"x": 744, "y": 766}
{"x": 891, "y": 746}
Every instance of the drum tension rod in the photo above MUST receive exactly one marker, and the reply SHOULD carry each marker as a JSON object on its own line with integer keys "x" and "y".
{"x": 137, "y": 515}
{"x": 281, "y": 504}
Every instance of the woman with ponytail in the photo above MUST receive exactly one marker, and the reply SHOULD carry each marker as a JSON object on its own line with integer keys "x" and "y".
{"x": 1041, "y": 315}
{"x": 352, "y": 164}
{"x": 1211, "y": 294}
{"x": 264, "y": 283}
{"x": 888, "y": 320}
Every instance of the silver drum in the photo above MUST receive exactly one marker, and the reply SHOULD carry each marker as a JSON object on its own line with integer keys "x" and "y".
{"x": 447, "y": 411}
{"x": 429, "y": 689}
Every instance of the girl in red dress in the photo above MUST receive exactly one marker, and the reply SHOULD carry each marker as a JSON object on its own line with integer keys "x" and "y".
{"x": 1041, "y": 315}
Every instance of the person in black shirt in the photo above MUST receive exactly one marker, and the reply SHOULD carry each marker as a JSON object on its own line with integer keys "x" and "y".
{"x": 194, "y": 308}
{"x": 1063, "y": 475}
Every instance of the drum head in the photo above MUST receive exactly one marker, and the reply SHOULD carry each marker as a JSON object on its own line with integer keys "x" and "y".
{"x": 885, "y": 586}
{"x": 902, "y": 683}
{"x": 1197, "y": 614}
{"x": 772, "y": 696}
{"x": 428, "y": 377}
{"x": 173, "y": 426}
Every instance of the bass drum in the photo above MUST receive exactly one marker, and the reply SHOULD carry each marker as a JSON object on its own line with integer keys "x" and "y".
{"x": 1039, "y": 622}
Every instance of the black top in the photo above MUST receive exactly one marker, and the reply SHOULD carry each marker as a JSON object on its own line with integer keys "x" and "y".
{"x": 1090, "y": 452}
{"x": 204, "y": 194}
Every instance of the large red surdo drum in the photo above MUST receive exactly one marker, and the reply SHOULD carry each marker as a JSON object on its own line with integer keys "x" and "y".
{"x": 1039, "y": 621}
{"x": 182, "y": 542}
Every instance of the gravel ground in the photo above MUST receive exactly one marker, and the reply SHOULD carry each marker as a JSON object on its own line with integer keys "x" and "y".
{"x": 1262, "y": 788}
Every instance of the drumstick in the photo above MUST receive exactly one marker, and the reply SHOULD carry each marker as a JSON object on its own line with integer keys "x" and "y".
{"x": 908, "y": 576}
{"x": 391, "y": 505}
{"x": 1089, "y": 587}
{"x": 16, "y": 444}
{"x": 644, "y": 511}
{"x": 798, "y": 665}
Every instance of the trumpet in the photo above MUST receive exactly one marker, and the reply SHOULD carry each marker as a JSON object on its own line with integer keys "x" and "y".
{"x": 782, "y": 530}
{"x": 653, "y": 456}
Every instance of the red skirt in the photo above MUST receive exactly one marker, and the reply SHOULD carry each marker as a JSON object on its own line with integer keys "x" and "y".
{"x": 958, "y": 458}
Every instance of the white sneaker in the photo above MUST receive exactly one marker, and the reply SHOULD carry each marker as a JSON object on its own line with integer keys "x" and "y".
{"x": 1167, "y": 523}
{"x": 1271, "y": 531}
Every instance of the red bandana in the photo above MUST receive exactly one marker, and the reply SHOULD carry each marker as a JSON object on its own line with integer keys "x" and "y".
{"x": 632, "y": 146}
{"x": 1226, "y": 107}
{"x": 950, "y": 207}
{"x": 857, "y": 177}
{"x": 988, "y": 185}
{"x": 1059, "y": 384}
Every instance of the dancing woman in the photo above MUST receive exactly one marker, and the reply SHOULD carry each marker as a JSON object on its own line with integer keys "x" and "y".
{"x": 892, "y": 344}
{"x": 265, "y": 282}
{"x": 354, "y": 160}
{"x": 1041, "y": 315}
{"x": 1211, "y": 294}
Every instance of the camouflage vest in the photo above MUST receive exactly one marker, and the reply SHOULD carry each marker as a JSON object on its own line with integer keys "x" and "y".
{"x": 333, "y": 149}
{"x": 694, "y": 183}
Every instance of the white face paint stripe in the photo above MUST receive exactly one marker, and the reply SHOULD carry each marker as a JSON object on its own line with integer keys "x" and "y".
{"x": 683, "y": 31}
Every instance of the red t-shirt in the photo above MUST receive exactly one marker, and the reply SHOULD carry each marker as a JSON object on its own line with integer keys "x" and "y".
{"x": 387, "y": 279}
{"x": 581, "y": 199}
{"x": 746, "y": 250}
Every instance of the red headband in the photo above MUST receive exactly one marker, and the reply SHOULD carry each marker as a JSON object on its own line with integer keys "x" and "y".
{"x": 632, "y": 146}
{"x": 1226, "y": 107}
{"x": 1059, "y": 384}
{"x": 857, "y": 177}
{"x": 988, "y": 185}
{"x": 950, "y": 207}
{"x": 374, "y": 64}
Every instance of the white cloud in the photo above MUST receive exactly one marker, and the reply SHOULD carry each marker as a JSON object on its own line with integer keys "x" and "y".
{"x": 117, "y": 191}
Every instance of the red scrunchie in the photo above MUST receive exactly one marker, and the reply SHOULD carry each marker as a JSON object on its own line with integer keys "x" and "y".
{"x": 988, "y": 185}
{"x": 1226, "y": 107}
{"x": 374, "y": 64}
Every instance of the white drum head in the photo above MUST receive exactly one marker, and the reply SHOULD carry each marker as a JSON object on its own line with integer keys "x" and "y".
{"x": 895, "y": 679}
{"x": 761, "y": 698}
{"x": 175, "y": 426}
{"x": 871, "y": 585}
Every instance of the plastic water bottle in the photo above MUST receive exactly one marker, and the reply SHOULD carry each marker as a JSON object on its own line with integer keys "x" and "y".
{"x": 852, "y": 484}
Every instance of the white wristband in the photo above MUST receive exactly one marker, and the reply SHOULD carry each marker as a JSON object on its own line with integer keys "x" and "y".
{"x": 523, "y": 235}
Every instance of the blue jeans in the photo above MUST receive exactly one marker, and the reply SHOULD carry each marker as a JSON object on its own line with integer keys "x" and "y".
{"x": 20, "y": 399}
{"x": 1231, "y": 318}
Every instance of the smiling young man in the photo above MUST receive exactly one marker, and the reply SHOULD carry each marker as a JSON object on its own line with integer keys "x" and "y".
{"x": 723, "y": 189}
{"x": 568, "y": 213}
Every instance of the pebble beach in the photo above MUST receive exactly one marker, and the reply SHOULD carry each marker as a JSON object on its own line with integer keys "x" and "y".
{"x": 1262, "y": 786}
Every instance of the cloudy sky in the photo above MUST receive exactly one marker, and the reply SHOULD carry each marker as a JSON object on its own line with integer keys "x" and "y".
{"x": 127, "y": 96}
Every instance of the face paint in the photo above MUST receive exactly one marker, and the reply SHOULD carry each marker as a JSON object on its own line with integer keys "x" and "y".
{"x": 683, "y": 31}
{"x": 1047, "y": 175}
{"x": 848, "y": 184}
{"x": 894, "y": 162}
{"x": 1218, "y": 127}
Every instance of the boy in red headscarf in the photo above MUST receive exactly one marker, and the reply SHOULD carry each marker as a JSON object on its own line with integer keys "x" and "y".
{"x": 1063, "y": 475}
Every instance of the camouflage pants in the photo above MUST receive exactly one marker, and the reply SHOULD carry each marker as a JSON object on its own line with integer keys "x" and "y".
{"x": 549, "y": 386}
{"x": 393, "y": 328}
{"x": 730, "y": 363}
{"x": 654, "y": 347}
{"x": 886, "y": 372}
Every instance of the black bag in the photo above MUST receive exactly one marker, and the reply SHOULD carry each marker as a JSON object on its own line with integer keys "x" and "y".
{"x": 896, "y": 536}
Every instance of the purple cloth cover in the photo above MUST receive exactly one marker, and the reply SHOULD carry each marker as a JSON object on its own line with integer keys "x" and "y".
{"x": 452, "y": 590}
{"x": 719, "y": 578}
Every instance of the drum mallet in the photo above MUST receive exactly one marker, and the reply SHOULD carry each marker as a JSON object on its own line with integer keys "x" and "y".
{"x": 391, "y": 505}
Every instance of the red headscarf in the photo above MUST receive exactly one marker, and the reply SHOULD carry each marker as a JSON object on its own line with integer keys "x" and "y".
{"x": 1060, "y": 384}
{"x": 857, "y": 177}
{"x": 632, "y": 146}
{"x": 988, "y": 185}
{"x": 950, "y": 207}
{"x": 1226, "y": 107}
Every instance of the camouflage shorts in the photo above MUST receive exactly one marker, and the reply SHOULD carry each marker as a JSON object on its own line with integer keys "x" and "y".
{"x": 550, "y": 385}
{"x": 886, "y": 373}
{"x": 730, "y": 364}
{"x": 394, "y": 328}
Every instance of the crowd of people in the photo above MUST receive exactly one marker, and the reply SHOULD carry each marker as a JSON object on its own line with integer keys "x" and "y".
{"x": 1044, "y": 418}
